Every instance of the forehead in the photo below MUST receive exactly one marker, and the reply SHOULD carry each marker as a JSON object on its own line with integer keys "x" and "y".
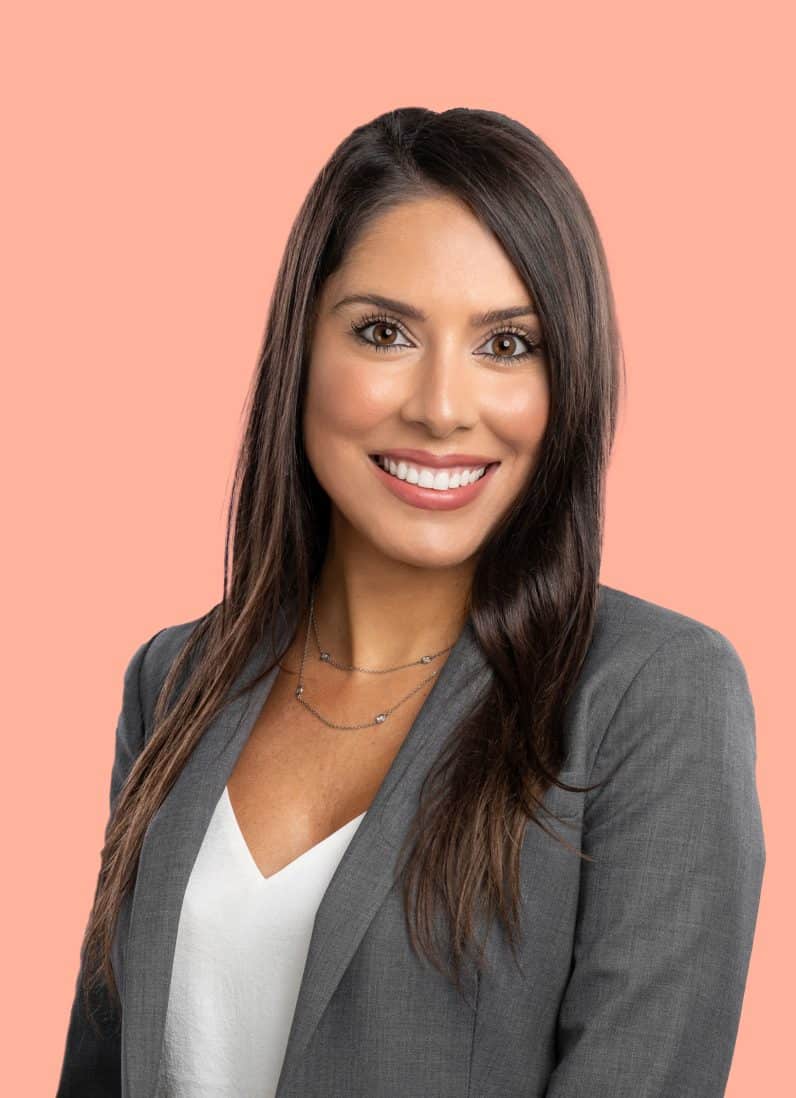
{"x": 432, "y": 253}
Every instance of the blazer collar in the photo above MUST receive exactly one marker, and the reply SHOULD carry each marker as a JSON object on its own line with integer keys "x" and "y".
{"x": 360, "y": 884}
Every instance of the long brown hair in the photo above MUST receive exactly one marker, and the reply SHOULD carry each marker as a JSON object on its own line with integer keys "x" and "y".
{"x": 534, "y": 594}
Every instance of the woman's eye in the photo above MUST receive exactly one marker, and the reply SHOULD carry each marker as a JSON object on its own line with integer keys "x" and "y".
{"x": 387, "y": 334}
{"x": 507, "y": 341}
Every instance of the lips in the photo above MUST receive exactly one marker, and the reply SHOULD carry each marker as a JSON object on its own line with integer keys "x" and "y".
{"x": 436, "y": 461}
{"x": 427, "y": 477}
{"x": 431, "y": 498}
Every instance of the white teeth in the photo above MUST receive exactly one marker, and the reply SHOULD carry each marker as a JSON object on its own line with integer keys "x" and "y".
{"x": 438, "y": 479}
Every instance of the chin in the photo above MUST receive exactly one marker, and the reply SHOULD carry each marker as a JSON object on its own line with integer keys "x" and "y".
{"x": 421, "y": 553}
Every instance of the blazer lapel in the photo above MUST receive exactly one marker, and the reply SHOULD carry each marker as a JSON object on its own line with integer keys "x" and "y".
{"x": 365, "y": 873}
{"x": 358, "y": 887}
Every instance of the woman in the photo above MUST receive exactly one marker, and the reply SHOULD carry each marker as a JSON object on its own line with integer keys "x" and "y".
{"x": 421, "y": 807}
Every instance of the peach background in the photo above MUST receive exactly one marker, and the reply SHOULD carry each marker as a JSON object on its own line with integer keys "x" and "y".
{"x": 156, "y": 156}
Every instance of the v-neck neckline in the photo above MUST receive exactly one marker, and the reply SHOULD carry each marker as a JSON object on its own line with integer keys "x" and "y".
{"x": 240, "y": 841}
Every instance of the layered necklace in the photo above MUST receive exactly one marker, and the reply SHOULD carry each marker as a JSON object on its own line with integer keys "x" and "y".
{"x": 325, "y": 657}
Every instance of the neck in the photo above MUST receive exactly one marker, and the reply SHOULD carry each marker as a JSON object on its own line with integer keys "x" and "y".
{"x": 386, "y": 613}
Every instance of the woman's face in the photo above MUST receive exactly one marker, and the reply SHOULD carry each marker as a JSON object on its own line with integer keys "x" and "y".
{"x": 417, "y": 385}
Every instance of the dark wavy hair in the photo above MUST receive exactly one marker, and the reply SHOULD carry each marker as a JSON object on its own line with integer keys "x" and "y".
{"x": 533, "y": 598}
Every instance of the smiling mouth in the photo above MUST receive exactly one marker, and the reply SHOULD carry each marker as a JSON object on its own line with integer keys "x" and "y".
{"x": 424, "y": 476}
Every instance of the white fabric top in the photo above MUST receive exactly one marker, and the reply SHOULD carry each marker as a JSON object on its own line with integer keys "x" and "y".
{"x": 241, "y": 947}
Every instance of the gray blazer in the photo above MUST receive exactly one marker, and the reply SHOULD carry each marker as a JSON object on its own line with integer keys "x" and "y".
{"x": 633, "y": 965}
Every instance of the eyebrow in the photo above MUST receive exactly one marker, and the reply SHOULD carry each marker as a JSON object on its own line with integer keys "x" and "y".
{"x": 491, "y": 316}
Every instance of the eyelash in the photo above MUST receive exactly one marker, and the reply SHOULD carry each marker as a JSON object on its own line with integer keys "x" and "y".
{"x": 359, "y": 326}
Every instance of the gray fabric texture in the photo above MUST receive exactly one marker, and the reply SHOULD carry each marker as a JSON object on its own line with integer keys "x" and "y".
{"x": 632, "y": 966}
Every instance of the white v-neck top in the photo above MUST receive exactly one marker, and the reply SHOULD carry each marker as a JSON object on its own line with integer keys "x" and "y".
{"x": 242, "y": 943}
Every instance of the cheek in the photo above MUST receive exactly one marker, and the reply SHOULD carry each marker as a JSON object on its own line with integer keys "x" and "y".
{"x": 517, "y": 414}
{"x": 346, "y": 399}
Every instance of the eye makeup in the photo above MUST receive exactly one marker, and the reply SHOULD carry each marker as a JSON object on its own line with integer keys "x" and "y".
{"x": 533, "y": 343}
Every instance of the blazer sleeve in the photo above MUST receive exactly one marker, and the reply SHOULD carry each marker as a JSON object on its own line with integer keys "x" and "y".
{"x": 668, "y": 907}
{"x": 91, "y": 1065}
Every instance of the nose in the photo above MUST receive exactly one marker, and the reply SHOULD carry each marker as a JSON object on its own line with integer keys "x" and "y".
{"x": 442, "y": 392}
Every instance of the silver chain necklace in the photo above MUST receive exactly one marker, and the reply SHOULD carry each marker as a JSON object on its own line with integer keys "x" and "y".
{"x": 325, "y": 657}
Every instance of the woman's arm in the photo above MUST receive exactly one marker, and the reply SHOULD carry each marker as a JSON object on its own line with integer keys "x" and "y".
{"x": 92, "y": 1064}
{"x": 668, "y": 908}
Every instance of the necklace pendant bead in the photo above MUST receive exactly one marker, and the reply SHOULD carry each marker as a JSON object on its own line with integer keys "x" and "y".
{"x": 325, "y": 656}
{"x": 380, "y": 718}
{"x": 425, "y": 659}
{"x": 299, "y": 691}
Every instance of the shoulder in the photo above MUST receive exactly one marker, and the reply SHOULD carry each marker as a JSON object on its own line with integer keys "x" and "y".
{"x": 157, "y": 656}
{"x": 647, "y": 658}
{"x": 630, "y": 630}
